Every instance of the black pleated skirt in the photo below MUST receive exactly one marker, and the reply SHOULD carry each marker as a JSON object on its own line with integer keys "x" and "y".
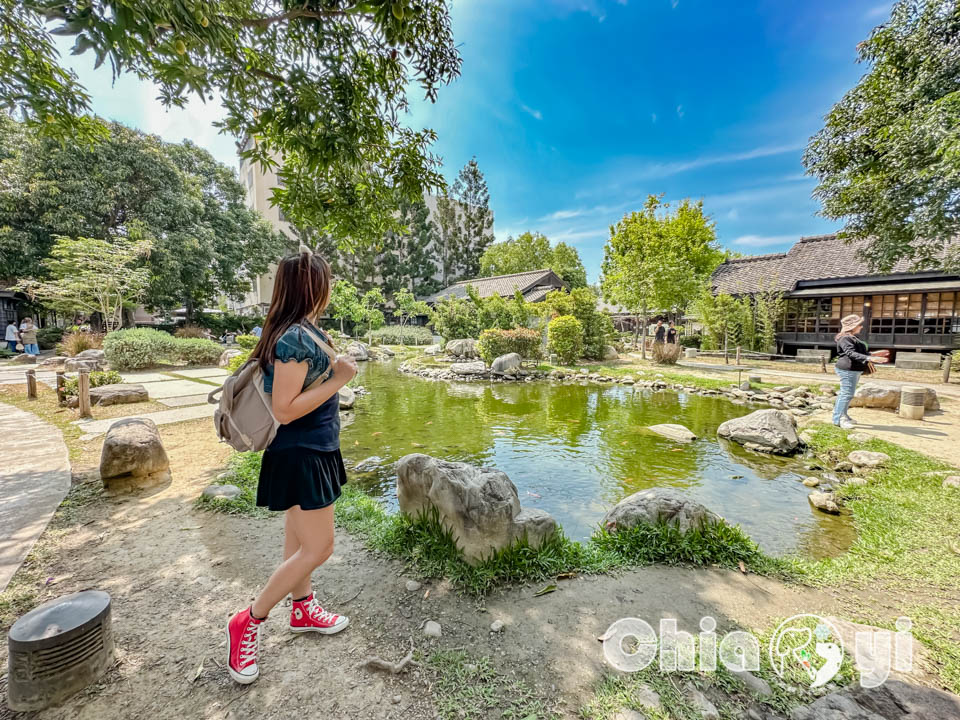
{"x": 297, "y": 476}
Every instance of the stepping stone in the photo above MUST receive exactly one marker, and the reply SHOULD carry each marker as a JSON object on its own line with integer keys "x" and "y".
{"x": 93, "y": 428}
{"x": 175, "y": 388}
{"x": 142, "y": 376}
{"x": 184, "y": 400}
{"x": 210, "y": 372}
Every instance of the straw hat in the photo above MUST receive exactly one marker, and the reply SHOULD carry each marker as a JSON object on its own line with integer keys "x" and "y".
{"x": 850, "y": 322}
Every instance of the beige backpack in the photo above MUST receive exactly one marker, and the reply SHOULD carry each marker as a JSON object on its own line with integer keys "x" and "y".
{"x": 244, "y": 419}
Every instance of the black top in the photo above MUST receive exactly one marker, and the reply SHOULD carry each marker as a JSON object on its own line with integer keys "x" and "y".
{"x": 672, "y": 335}
{"x": 852, "y": 353}
{"x": 659, "y": 335}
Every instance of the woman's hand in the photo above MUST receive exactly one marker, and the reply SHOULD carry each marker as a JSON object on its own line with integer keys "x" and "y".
{"x": 879, "y": 359}
{"x": 344, "y": 369}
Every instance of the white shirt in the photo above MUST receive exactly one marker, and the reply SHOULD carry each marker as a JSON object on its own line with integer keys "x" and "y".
{"x": 23, "y": 324}
{"x": 11, "y": 332}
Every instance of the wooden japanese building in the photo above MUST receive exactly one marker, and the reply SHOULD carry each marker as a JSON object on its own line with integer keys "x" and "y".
{"x": 823, "y": 278}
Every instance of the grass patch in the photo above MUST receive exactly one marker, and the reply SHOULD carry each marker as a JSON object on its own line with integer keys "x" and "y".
{"x": 244, "y": 472}
{"x": 199, "y": 381}
{"x": 469, "y": 688}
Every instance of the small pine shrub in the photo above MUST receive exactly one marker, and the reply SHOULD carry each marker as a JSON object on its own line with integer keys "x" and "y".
{"x": 247, "y": 342}
{"x": 196, "y": 351}
{"x": 97, "y": 379}
{"x": 407, "y": 335}
{"x": 666, "y": 353}
{"x": 693, "y": 340}
{"x": 190, "y": 331}
{"x": 565, "y": 338}
{"x": 48, "y": 337}
{"x": 523, "y": 341}
{"x": 76, "y": 342}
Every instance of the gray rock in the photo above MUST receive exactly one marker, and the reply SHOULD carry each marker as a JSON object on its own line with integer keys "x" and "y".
{"x": 858, "y": 437}
{"x": 659, "y": 505}
{"x": 673, "y": 432}
{"x": 227, "y": 492}
{"x": 433, "y": 350}
{"x": 868, "y": 459}
{"x": 610, "y": 353}
{"x": 432, "y": 629}
{"x": 707, "y": 710}
{"x": 507, "y": 364}
{"x": 369, "y": 464}
{"x": 118, "y": 394}
{"x": 92, "y": 354}
{"x": 76, "y": 364}
{"x": 811, "y": 481}
{"x": 227, "y": 355}
{"x": 894, "y": 700}
{"x": 133, "y": 456}
{"x": 952, "y": 481}
{"x": 358, "y": 351}
{"x": 54, "y": 360}
{"x": 347, "y": 397}
{"x": 387, "y": 352}
{"x": 412, "y": 586}
{"x": 469, "y": 368}
{"x": 745, "y": 385}
{"x": 497, "y": 626}
{"x": 480, "y": 506}
{"x": 465, "y": 348}
{"x": 843, "y": 466}
{"x": 756, "y": 685}
{"x": 824, "y": 501}
{"x": 628, "y": 714}
{"x": 874, "y": 395}
{"x": 646, "y": 697}
{"x": 773, "y": 431}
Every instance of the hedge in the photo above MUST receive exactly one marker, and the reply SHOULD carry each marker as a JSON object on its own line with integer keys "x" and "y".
{"x": 565, "y": 338}
{"x": 144, "y": 347}
{"x": 523, "y": 341}
{"x": 407, "y": 335}
{"x": 98, "y": 378}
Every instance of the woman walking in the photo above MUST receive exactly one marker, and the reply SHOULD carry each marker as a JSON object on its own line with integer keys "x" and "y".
{"x": 852, "y": 360}
{"x": 302, "y": 470}
{"x": 28, "y": 337}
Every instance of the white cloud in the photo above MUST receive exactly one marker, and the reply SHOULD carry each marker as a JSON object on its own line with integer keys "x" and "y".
{"x": 193, "y": 122}
{"x": 878, "y": 11}
{"x": 530, "y": 111}
{"x": 674, "y": 3}
{"x": 796, "y": 177}
{"x": 575, "y": 236}
{"x": 680, "y": 111}
{"x": 763, "y": 240}
{"x": 734, "y": 214}
{"x": 562, "y": 215}
{"x": 653, "y": 117}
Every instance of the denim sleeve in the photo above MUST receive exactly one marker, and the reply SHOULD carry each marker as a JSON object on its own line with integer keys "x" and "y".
{"x": 295, "y": 345}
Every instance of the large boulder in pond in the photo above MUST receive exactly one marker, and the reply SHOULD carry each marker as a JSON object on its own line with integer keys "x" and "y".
{"x": 506, "y": 364}
{"x": 118, "y": 394}
{"x": 469, "y": 368}
{"x": 479, "y": 505}
{"x": 465, "y": 348}
{"x": 772, "y": 431}
{"x": 433, "y": 349}
{"x": 656, "y": 505}
{"x": 673, "y": 431}
{"x": 347, "y": 397}
{"x": 874, "y": 395}
{"x": 358, "y": 351}
{"x": 133, "y": 456}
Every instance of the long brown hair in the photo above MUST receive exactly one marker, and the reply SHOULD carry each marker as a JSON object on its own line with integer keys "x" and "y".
{"x": 301, "y": 289}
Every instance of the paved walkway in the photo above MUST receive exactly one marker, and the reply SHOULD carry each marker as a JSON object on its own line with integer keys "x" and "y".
{"x": 93, "y": 428}
{"x": 34, "y": 479}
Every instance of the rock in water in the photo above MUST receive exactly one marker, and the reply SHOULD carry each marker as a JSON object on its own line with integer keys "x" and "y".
{"x": 433, "y": 350}
{"x": 479, "y": 505}
{"x": 867, "y": 459}
{"x": 824, "y": 501}
{"x": 369, "y": 464}
{"x": 773, "y": 431}
{"x": 811, "y": 481}
{"x": 118, "y": 394}
{"x": 506, "y": 364}
{"x": 659, "y": 505}
{"x": 673, "y": 432}
{"x": 358, "y": 351}
{"x": 470, "y": 368}
{"x": 347, "y": 397}
{"x": 133, "y": 456}
{"x": 465, "y": 348}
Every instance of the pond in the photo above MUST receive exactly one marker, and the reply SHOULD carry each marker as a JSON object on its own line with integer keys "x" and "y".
{"x": 575, "y": 450}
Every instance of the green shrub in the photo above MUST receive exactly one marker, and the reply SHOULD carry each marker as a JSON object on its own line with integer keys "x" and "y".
{"x": 565, "y": 338}
{"x": 455, "y": 318}
{"x": 97, "y": 379}
{"x": 196, "y": 351}
{"x": 75, "y": 343}
{"x": 48, "y": 337}
{"x": 523, "y": 341}
{"x": 237, "y": 361}
{"x": 221, "y": 323}
{"x": 693, "y": 340}
{"x": 407, "y": 335}
{"x": 247, "y": 342}
{"x": 191, "y": 331}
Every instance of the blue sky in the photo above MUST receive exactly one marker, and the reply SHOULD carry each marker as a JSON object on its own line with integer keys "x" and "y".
{"x": 578, "y": 109}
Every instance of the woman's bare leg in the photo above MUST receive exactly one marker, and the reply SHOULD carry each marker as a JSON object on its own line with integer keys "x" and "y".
{"x": 291, "y": 543}
{"x": 314, "y": 530}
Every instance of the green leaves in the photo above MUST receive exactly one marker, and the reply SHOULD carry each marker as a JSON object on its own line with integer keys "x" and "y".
{"x": 532, "y": 251}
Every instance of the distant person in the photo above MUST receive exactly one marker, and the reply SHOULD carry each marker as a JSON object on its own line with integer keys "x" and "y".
{"x": 672, "y": 334}
{"x": 660, "y": 333}
{"x": 28, "y": 336}
{"x": 13, "y": 336}
{"x": 23, "y": 323}
{"x": 257, "y": 331}
{"x": 852, "y": 362}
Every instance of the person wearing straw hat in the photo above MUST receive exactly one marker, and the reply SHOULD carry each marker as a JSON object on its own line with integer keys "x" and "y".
{"x": 852, "y": 361}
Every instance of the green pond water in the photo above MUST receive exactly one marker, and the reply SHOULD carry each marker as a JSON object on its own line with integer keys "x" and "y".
{"x": 576, "y": 450}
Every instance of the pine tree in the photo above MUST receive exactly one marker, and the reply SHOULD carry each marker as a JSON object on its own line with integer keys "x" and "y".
{"x": 408, "y": 260}
{"x": 470, "y": 190}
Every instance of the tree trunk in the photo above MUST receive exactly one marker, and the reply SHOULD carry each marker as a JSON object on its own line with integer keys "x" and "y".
{"x": 643, "y": 335}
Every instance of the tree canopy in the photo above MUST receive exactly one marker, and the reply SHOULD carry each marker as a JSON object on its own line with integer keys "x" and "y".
{"x": 532, "y": 251}
{"x": 188, "y": 207}
{"x": 464, "y": 225}
{"x": 888, "y": 157}
{"x": 318, "y": 87}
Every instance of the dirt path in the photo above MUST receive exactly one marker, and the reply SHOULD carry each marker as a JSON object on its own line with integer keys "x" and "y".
{"x": 175, "y": 575}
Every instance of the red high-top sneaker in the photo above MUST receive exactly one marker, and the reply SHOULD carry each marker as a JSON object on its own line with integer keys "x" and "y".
{"x": 243, "y": 647}
{"x": 308, "y": 616}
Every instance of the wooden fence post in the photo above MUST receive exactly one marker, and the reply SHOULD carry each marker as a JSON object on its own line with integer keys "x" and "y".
{"x": 84, "y": 394}
{"x": 946, "y": 369}
{"x": 61, "y": 386}
{"x": 738, "y": 354}
{"x": 31, "y": 384}
{"x": 823, "y": 363}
